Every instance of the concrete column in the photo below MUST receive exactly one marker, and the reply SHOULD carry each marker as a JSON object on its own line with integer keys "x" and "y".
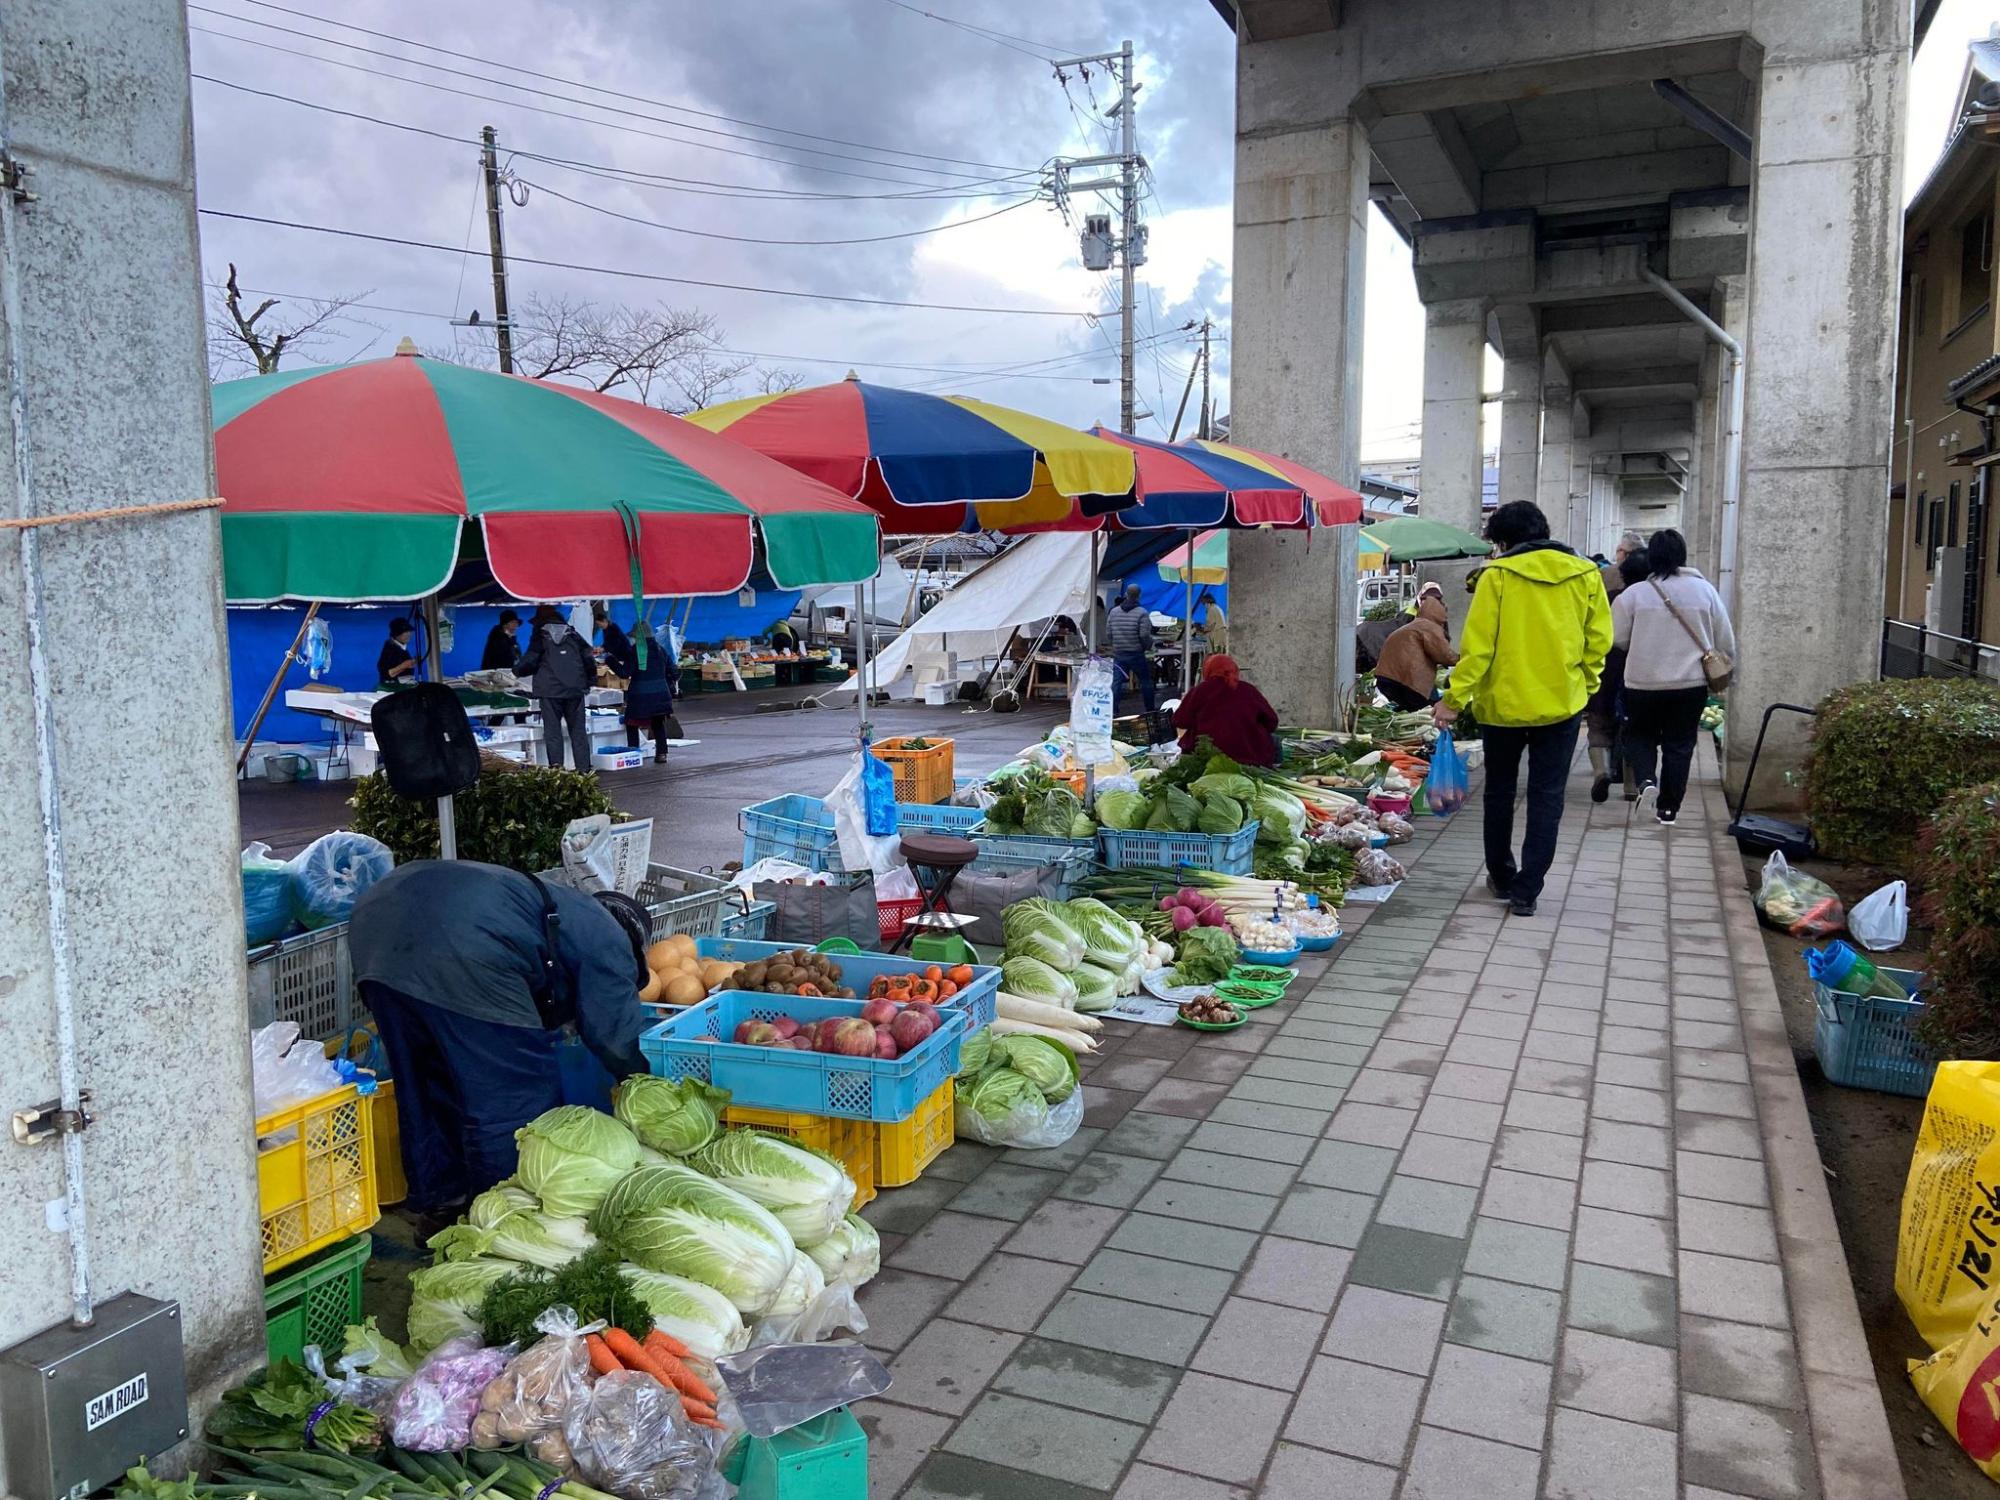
{"x": 1454, "y": 354}
{"x": 95, "y": 99}
{"x": 1824, "y": 255}
{"x": 1295, "y": 346}
{"x": 1701, "y": 504}
{"x": 1552, "y": 493}
{"x": 1520, "y": 428}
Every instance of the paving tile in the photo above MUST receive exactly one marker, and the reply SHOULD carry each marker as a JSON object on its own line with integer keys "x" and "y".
{"x": 1597, "y": 1458}
{"x": 1103, "y": 1108}
{"x": 1561, "y": 1046}
{"x": 1435, "y": 1207}
{"x": 1720, "y": 1286}
{"x": 898, "y": 1303}
{"x": 1616, "y": 1377}
{"x": 1628, "y": 1304}
{"x": 1633, "y": 1013}
{"x": 1464, "y": 1081}
{"x": 1208, "y": 1205}
{"x": 1725, "y": 1178}
{"x": 1011, "y": 1292}
{"x": 1326, "y": 1216}
{"x": 1273, "y": 1117}
{"x": 1184, "y": 1096}
{"x": 1360, "y": 1410}
{"x": 1548, "y": 1112}
{"x": 1634, "y": 1072}
{"x": 1634, "y": 1040}
{"x": 1467, "y": 1119}
{"x": 1190, "y": 1438}
{"x": 1344, "y": 1164}
{"x": 1505, "y": 1317}
{"x": 1720, "y": 1037}
{"x": 1214, "y": 1170}
{"x": 951, "y": 1244}
{"x": 1715, "y": 1096}
{"x": 1292, "y": 1070}
{"x": 947, "y": 1365}
{"x": 1114, "y": 1385}
{"x": 1544, "y": 1075}
{"x": 1371, "y": 1124}
{"x": 1740, "y": 1361}
{"x": 1732, "y": 1445}
{"x": 1446, "y": 1159}
{"x": 1003, "y": 1191}
{"x": 1483, "y": 1051}
{"x": 1261, "y": 1343}
{"x": 1114, "y": 1181}
{"x": 1390, "y": 1329}
{"x": 1079, "y": 1448}
{"x": 1146, "y": 1482}
{"x": 1415, "y": 1057}
{"x": 1379, "y": 1086}
{"x": 1212, "y": 1066}
{"x": 1729, "y": 1067}
{"x": 1136, "y": 1073}
{"x": 1258, "y": 1145}
{"x": 1063, "y": 1158}
{"x": 1453, "y": 1465}
{"x": 950, "y": 1476}
{"x": 1295, "y": 1273}
{"x": 1155, "y": 1281}
{"x": 1629, "y": 1105}
{"x": 1567, "y": 1019}
{"x": 1526, "y": 1198}
{"x": 908, "y": 1209}
{"x": 1064, "y": 1230}
{"x": 1634, "y": 1242}
{"x": 1635, "y": 1145}
{"x": 1406, "y": 1260}
{"x": 1312, "y": 1096}
{"x": 1156, "y": 1333}
{"x": 966, "y": 1160}
{"x": 1489, "y": 1395}
{"x": 1727, "y": 1229}
{"x": 1180, "y": 1239}
{"x": 1299, "y": 1473}
{"x": 1540, "y": 1152}
{"x": 1525, "y": 1253}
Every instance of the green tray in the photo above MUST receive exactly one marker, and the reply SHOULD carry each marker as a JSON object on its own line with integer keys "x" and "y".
{"x": 1257, "y": 998}
{"x": 1181, "y": 1020}
{"x": 1263, "y": 974}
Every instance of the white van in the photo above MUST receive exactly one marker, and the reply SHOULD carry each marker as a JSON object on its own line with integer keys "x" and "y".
{"x": 1384, "y": 588}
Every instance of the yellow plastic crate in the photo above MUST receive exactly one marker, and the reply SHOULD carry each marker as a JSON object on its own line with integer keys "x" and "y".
{"x": 921, "y": 775}
{"x": 904, "y": 1149}
{"x": 316, "y": 1174}
{"x": 849, "y": 1142}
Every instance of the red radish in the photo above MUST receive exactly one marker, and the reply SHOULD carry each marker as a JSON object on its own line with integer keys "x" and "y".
{"x": 1182, "y": 919}
{"x": 1168, "y": 903}
{"x": 879, "y": 1012}
{"x": 885, "y": 1044}
{"x": 757, "y": 1033}
{"x": 787, "y": 1027}
{"x": 850, "y": 1037}
{"x": 911, "y": 1029}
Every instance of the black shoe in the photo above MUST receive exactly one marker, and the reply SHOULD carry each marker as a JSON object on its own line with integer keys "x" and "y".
{"x": 1600, "y": 789}
{"x": 1521, "y": 906}
{"x": 1499, "y": 888}
{"x": 1666, "y": 819}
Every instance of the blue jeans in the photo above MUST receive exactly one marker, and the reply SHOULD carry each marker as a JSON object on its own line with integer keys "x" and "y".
{"x": 1140, "y": 670}
{"x": 1550, "y": 748}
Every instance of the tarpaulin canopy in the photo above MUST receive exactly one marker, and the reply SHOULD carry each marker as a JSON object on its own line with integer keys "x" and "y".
{"x": 347, "y": 483}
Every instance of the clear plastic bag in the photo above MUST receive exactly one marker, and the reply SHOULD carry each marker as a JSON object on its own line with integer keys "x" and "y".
{"x": 267, "y": 896}
{"x": 536, "y": 1390}
{"x": 351, "y": 1383}
{"x": 632, "y": 1437}
{"x": 1881, "y": 920}
{"x": 1025, "y": 1127}
{"x": 830, "y": 1309}
{"x": 778, "y": 1386}
{"x": 1798, "y": 903}
{"x": 434, "y": 1409}
{"x": 1374, "y": 867}
{"x": 285, "y": 1071}
{"x": 330, "y": 872}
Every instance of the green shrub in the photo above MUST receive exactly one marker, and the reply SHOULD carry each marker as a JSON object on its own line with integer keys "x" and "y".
{"x": 1388, "y": 609}
{"x": 1960, "y": 870}
{"x": 513, "y": 815}
{"x": 1885, "y": 755}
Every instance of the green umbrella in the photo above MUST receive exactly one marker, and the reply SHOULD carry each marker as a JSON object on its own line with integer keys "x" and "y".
{"x": 1413, "y": 539}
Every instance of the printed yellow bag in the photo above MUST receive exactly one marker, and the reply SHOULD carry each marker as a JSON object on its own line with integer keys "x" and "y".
{"x": 1961, "y": 1385}
{"x": 1948, "y": 1251}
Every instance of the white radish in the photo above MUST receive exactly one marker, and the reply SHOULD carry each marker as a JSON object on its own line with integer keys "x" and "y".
{"x": 1076, "y": 1041}
{"x": 1018, "y": 1008}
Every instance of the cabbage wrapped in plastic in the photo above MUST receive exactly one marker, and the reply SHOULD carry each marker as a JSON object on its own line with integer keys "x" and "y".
{"x": 1048, "y": 1065}
{"x": 852, "y": 1254}
{"x": 1041, "y": 929}
{"x": 571, "y": 1156}
{"x": 672, "y": 1115}
{"x": 1032, "y": 979}
{"x": 999, "y": 1104}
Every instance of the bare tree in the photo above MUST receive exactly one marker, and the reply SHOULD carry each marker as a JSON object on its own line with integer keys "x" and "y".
{"x": 257, "y": 341}
{"x": 775, "y": 382}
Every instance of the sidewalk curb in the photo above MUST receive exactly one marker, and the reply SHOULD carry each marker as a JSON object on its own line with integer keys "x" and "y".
{"x": 1855, "y": 1453}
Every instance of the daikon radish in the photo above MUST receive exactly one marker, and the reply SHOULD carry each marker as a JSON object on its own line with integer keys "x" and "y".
{"x": 1019, "y": 1008}
{"x": 1076, "y": 1041}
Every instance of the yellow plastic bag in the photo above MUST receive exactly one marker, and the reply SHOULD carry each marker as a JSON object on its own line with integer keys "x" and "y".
{"x": 1948, "y": 1252}
{"x": 1961, "y": 1385}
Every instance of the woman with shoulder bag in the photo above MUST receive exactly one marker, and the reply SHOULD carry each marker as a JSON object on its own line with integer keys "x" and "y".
{"x": 1679, "y": 648}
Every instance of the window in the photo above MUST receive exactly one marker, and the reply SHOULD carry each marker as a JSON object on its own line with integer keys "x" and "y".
{"x": 1920, "y": 513}
{"x": 1951, "y": 516}
{"x": 1975, "y": 264}
{"x": 1937, "y": 539}
{"x": 1920, "y": 305}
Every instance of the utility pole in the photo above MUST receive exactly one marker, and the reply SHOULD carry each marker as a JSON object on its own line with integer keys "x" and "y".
{"x": 1204, "y": 430}
{"x": 1129, "y": 200}
{"x": 503, "y": 330}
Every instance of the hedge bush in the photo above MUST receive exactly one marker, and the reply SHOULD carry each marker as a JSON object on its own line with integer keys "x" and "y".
{"x": 1960, "y": 870}
{"x": 513, "y": 815}
{"x": 1886, "y": 755}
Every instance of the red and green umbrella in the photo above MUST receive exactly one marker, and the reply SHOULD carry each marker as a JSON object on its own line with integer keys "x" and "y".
{"x": 353, "y": 482}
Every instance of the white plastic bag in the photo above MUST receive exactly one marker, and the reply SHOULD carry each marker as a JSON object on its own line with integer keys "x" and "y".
{"x": 1881, "y": 920}
{"x": 285, "y": 1071}
{"x": 1025, "y": 1129}
{"x": 859, "y": 849}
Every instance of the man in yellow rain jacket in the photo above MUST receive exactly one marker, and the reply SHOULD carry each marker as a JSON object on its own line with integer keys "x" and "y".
{"x": 1532, "y": 652}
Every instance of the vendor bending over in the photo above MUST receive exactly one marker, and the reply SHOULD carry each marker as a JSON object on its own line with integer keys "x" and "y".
{"x": 471, "y": 971}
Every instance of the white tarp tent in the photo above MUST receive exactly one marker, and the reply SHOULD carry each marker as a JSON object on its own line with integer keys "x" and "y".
{"x": 890, "y": 595}
{"x": 1046, "y": 574}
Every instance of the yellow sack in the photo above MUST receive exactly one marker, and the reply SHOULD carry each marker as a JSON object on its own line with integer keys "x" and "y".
{"x": 1961, "y": 1385}
{"x": 1948, "y": 1252}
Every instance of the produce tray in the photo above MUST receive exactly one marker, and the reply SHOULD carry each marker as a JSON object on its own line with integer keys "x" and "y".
{"x": 794, "y": 827}
{"x": 903, "y": 1150}
{"x": 849, "y": 1142}
{"x": 754, "y": 924}
{"x": 691, "y": 1045}
{"x": 315, "y": 1303}
{"x": 1134, "y": 848}
{"x": 1870, "y": 1042}
{"x": 316, "y": 1174}
{"x": 921, "y": 775}
{"x": 937, "y": 817}
{"x": 1001, "y": 853}
{"x": 308, "y": 979}
{"x": 1317, "y": 944}
{"x": 859, "y": 970}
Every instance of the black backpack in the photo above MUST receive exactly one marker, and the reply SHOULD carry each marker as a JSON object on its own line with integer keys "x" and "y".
{"x": 425, "y": 741}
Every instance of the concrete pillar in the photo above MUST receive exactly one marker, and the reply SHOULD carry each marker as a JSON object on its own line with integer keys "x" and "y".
{"x": 1553, "y": 491}
{"x": 95, "y": 99}
{"x": 1824, "y": 255}
{"x": 1520, "y": 427}
{"x": 1295, "y": 346}
{"x": 1454, "y": 356}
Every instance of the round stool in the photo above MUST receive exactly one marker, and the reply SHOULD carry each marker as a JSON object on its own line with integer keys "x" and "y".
{"x": 935, "y": 860}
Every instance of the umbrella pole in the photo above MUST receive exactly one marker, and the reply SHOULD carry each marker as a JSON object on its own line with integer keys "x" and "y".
{"x": 861, "y": 662}
{"x": 434, "y": 662}
{"x": 257, "y": 719}
{"x": 1187, "y": 618}
{"x": 1090, "y": 604}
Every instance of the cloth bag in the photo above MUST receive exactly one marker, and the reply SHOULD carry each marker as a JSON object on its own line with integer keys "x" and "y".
{"x": 986, "y": 895}
{"x": 1881, "y": 920}
{"x": 426, "y": 742}
{"x": 809, "y": 914}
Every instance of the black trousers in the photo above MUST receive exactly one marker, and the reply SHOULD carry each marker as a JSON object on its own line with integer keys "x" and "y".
{"x": 1549, "y": 748}
{"x": 659, "y": 728}
{"x": 1662, "y": 727}
{"x": 559, "y": 714}
{"x": 1408, "y": 699}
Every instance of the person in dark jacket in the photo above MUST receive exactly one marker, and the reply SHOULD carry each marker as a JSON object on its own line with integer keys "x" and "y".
{"x": 1237, "y": 719}
{"x": 1407, "y": 667}
{"x": 649, "y": 686}
{"x": 1370, "y": 636}
{"x": 561, "y": 669}
{"x": 1600, "y": 715}
{"x": 1129, "y": 634}
{"x": 394, "y": 665}
{"x": 502, "y": 650}
{"x": 471, "y": 971}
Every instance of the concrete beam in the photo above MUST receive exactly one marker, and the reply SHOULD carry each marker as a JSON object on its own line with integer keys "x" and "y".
{"x": 1484, "y": 256}
{"x": 1515, "y": 330}
{"x": 1432, "y": 166}
{"x": 1565, "y": 186}
{"x": 1637, "y": 380}
{"x": 1708, "y": 234}
{"x": 1582, "y": 69}
{"x": 1272, "y": 20}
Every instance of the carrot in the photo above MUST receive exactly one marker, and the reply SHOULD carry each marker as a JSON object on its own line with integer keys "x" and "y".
{"x": 660, "y": 1342}
{"x": 602, "y": 1360}
{"x": 628, "y": 1349}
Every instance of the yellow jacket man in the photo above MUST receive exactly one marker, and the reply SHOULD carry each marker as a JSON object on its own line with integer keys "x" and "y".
{"x": 1531, "y": 655}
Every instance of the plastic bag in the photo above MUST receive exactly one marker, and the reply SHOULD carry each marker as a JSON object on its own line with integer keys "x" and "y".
{"x": 1797, "y": 903}
{"x": 267, "y": 896}
{"x": 1024, "y": 1127}
{"x": 861, "y": 848}
{"x": 284, "y": 1072}
{"x": 1444, "y": 787}
{"x": 829, "y": 1310}
{"x": 1881, "y": 920}
{"x": 434, "y": 1410}
{"x": 878, "y": 793}
{"x": 334, "y": 869}
{"x": 1375, "y": 867}
{"x": 779, "y": 1386}
{"x": 534, "y": 1393}
{"x": 352, "y": 1384}
{"x": 633, "y": 1438}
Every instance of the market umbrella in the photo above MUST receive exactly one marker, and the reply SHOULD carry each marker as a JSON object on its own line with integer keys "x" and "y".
{"x": 930, "y": 464}
{"x": 1404, "y": 539}
{"x": 1333, "y": 503}
{"x": 1210, "y": 561}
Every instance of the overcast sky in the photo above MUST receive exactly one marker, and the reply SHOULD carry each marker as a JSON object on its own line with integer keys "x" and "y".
{"x": 896, "y": 121}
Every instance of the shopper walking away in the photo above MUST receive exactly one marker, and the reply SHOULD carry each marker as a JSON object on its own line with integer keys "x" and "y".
{"x": 393, "y": 664}
{"x": 1234, "y": 717}
{"x": 649, "y": 689}
{"x": 502, "y": 651}
{"x": 1612, "y": 688}
{"x": 470, "y": 971}
{"x": 1667, "y": 625}
{"x": 1600, "y": 717}
{"x": 559, "y": 666}
{"x": 1532, "y": 654}
{"x": 1406, "y": 672}
{"x": 1130, "y": 635}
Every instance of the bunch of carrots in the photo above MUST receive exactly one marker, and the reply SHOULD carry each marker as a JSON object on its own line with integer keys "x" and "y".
{"x": 932, "y": 984}
{"x": 661, "y": 1356}
{"x": 1414, "y": 767}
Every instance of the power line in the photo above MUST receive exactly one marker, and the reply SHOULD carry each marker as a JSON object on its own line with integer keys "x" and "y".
{"x": 564, "y": 265}
{"x": 685, "y": 109}
{"x": 1006, "y": 39}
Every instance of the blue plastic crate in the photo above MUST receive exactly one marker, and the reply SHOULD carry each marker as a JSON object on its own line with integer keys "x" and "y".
{"x": 794, "y": 827}
{"x": 1134, "y": 848}
{"x": 1868, "y": 1042}
{"x": 1000, "y": 853}
{"x": 938, "y": 817}
{"x": 692, "y": 1045}
{"x": 754, "y": 924}
{"x": 859, "y": 970}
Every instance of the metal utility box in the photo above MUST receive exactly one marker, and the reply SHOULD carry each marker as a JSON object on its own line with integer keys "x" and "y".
{"x": 80, "y": 1406}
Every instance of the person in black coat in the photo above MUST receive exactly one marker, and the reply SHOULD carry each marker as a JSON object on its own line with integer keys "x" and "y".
{"x": 501, "y": 648}
{"x": 561, "y": 672}
{"x": 649, "y": 692}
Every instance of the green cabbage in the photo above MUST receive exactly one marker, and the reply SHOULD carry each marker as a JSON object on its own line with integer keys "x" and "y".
{"x": 571, "y": 1156}
{"x": 1049, "y": 1066}
{"x": 1040, "y": 928}
{"x": 1082, "y": 826}
{"x": 1281, "y": 815}
{"x": 1174, "y": 812}
{"x": 699, "y": 1316}
{"x": 1096, "y": 988}
{"x": 974, "y": 1051}
{"x": 1229, "y": 784}
{"x": 1221, "y": 813}
{"x": 1109, "y": 940}
{"x": 674, "y": 1219}
{"x": 1203, "y": 955}
{"x": 500, "y": 1200}
{"x": 1122, "y": 809}
{"x": 1005, "y": 1101}
{"x": 852, "y": 1254}
{"x": 533, "y": 1239}
{"x": 676, "y": 1116}
{"x": 808, "y": 1193}
{"x": 1051, "y": 814}
{"x": 445, "y": 1298}
{"x": 802, "y": 1283}
{"x": 374, "y": 1352}
{"x": 1032, "y": 979}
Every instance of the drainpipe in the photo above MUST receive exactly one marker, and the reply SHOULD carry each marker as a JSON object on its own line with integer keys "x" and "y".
{"x": 1732, "y": 431}
{"x": 1909, "y": 446}
{"x": 68, "y": 1119}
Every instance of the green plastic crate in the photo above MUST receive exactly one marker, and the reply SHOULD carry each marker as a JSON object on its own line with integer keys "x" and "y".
{"x": 824, "y": 1459}
{"x": 314, "y": 1303}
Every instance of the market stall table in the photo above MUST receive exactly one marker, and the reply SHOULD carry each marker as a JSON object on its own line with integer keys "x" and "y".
{"x": 355, "y": 745}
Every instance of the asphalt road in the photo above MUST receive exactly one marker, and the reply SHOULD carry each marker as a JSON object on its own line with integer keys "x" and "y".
{"x": 746, "y": 755}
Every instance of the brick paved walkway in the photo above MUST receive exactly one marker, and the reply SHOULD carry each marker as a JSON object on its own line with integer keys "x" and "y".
{"x": 1484, "y": 1211}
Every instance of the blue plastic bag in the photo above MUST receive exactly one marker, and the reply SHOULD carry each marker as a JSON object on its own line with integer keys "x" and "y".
{"x": 267, "y": 897}
{"x": 878, "y": 793}
{"x": 1444, "y": 788}
{"x": 331, "y": 872}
